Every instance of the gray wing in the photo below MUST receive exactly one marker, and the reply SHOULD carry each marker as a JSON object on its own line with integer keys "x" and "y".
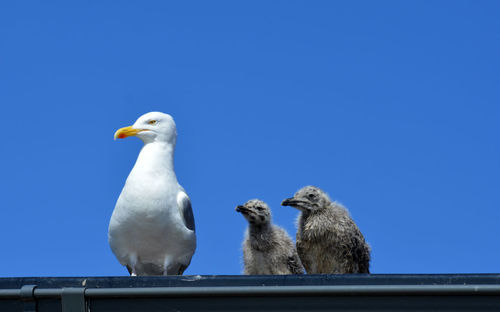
{"x": 184, "y": 205}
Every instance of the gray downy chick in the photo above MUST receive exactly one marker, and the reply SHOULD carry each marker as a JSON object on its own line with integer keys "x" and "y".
{"x": 267, "y": 248}
{"x": 328, "y": 240}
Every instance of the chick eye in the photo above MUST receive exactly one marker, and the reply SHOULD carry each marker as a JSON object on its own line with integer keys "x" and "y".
{"x": 152, "y": 122}
{"x": 260, "y": 208}
{"x": 311, "y": 196}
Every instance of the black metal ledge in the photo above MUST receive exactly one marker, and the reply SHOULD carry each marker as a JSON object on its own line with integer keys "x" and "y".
{"x": 469, "y": 292}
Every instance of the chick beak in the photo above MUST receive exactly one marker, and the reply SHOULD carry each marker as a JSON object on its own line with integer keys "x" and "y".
{"x": 241, "y": 209}
{"x": 289, "y": 202}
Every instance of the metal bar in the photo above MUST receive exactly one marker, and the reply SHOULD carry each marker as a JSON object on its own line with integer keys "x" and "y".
{"x": 48, "y": 293}
{"x": 267, "y": 291}
{"x": 73, "y": 299}
{"x": 259, "y": 291}
{"x": 27, "y": 294}
{"x": 10, "y": 293}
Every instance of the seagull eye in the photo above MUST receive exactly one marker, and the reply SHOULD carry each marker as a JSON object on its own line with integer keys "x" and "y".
{"x": 152, "y": 122}
{"x": 260, "y": 208}
{"x": 311, "y": 196}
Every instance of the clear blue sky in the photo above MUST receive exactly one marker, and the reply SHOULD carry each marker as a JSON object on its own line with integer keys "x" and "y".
{"x": 392, "y": 107}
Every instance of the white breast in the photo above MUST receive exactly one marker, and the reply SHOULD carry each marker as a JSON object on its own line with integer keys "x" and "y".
{"x": 146, "y": 221}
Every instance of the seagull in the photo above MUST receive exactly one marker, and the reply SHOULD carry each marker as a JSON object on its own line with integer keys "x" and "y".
{"x": 152, "y": 229}
{"x": 328, "y": 240}
{"x": 267, "y": 248}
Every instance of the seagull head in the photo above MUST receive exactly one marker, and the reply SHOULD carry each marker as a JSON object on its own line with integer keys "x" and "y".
{"x": 151, "y": 127}
{"x": 308, "y": 199}
{"x": 255, "y": 211}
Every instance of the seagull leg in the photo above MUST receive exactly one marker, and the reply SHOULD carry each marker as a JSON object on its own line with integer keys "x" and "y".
{"x": 131, "y": 271}
{"x": 133, "y": 263}
{"x": 166, "y": 265}
{"x": 182, "y": 268}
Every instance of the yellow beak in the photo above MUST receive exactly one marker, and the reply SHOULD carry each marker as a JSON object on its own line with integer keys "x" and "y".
{"x": 126, "y": 132}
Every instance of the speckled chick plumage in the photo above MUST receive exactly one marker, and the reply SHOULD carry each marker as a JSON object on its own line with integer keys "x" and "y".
{"x": 267, "y": 248}
{"x": 328, "y": 240}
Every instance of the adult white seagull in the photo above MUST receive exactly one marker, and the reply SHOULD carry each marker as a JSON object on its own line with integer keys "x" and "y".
{"x": 152, "y": 230}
